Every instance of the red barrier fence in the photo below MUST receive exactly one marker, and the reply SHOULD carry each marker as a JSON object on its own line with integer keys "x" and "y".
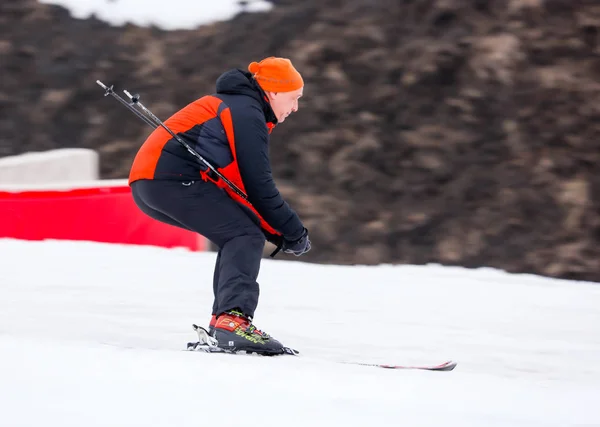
{"x": 96, "y": 213}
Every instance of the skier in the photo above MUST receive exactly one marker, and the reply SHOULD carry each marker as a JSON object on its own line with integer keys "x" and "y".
{"x": 230, "y": 129}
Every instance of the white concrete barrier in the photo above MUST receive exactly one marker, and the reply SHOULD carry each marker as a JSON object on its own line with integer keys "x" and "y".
{"x": 55, "y": 166}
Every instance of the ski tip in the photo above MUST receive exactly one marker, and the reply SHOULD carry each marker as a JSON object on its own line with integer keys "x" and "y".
{"x": 448, "y": 366}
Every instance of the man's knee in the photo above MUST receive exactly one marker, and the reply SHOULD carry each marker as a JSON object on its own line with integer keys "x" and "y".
{"x": 256, "y": 239}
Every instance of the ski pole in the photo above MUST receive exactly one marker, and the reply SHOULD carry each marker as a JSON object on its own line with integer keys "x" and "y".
{"x": 109, "y": 91}
{"x": 154, "y": 121}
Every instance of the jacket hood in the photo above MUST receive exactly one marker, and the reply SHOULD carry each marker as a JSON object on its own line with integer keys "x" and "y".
{"x": 240, "y": 82}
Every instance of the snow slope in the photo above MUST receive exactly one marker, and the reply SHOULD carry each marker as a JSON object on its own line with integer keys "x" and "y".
{"x": 168, "y": 15}
{"x": 92, "y": 334}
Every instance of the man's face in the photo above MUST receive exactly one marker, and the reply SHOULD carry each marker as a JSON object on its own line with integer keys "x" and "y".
{"x": 284, "y": 103}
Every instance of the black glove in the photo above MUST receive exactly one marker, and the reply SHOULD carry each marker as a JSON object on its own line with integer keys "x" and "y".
{"x": 297, "y": 247}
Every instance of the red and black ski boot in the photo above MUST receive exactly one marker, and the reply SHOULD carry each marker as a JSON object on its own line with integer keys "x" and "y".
{"x": 235, "y": 332}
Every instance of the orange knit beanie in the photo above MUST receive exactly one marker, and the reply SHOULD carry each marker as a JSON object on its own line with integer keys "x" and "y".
{"x": 276, "y": 75}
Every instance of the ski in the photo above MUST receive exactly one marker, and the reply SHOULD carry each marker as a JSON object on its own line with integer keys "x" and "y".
{"x": 197, "y": 346}
{"x": 207, "y": 344}
{"x": 446, "y": 366}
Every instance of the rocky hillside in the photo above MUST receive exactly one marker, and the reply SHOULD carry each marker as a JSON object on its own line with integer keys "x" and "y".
{"x": 460, "y": 132}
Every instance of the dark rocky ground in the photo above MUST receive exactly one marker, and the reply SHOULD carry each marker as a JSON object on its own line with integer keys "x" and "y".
{"x": 460, "y": 132}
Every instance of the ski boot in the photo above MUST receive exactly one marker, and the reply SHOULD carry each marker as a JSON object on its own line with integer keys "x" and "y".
{"x": 234, "y": 332}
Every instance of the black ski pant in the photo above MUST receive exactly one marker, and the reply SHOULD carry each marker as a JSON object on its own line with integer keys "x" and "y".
{"x": 204, "y": 208}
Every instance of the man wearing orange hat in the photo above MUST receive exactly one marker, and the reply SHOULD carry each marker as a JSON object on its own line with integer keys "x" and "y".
{"x": 230, "y": 129}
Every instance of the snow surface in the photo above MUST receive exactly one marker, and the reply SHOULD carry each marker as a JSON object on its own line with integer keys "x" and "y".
{"x": 92, "y": 335}
{"x": 168, "y": 15}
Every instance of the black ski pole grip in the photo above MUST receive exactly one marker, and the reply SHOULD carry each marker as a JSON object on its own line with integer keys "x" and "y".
{"x": 277, "y": 249}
